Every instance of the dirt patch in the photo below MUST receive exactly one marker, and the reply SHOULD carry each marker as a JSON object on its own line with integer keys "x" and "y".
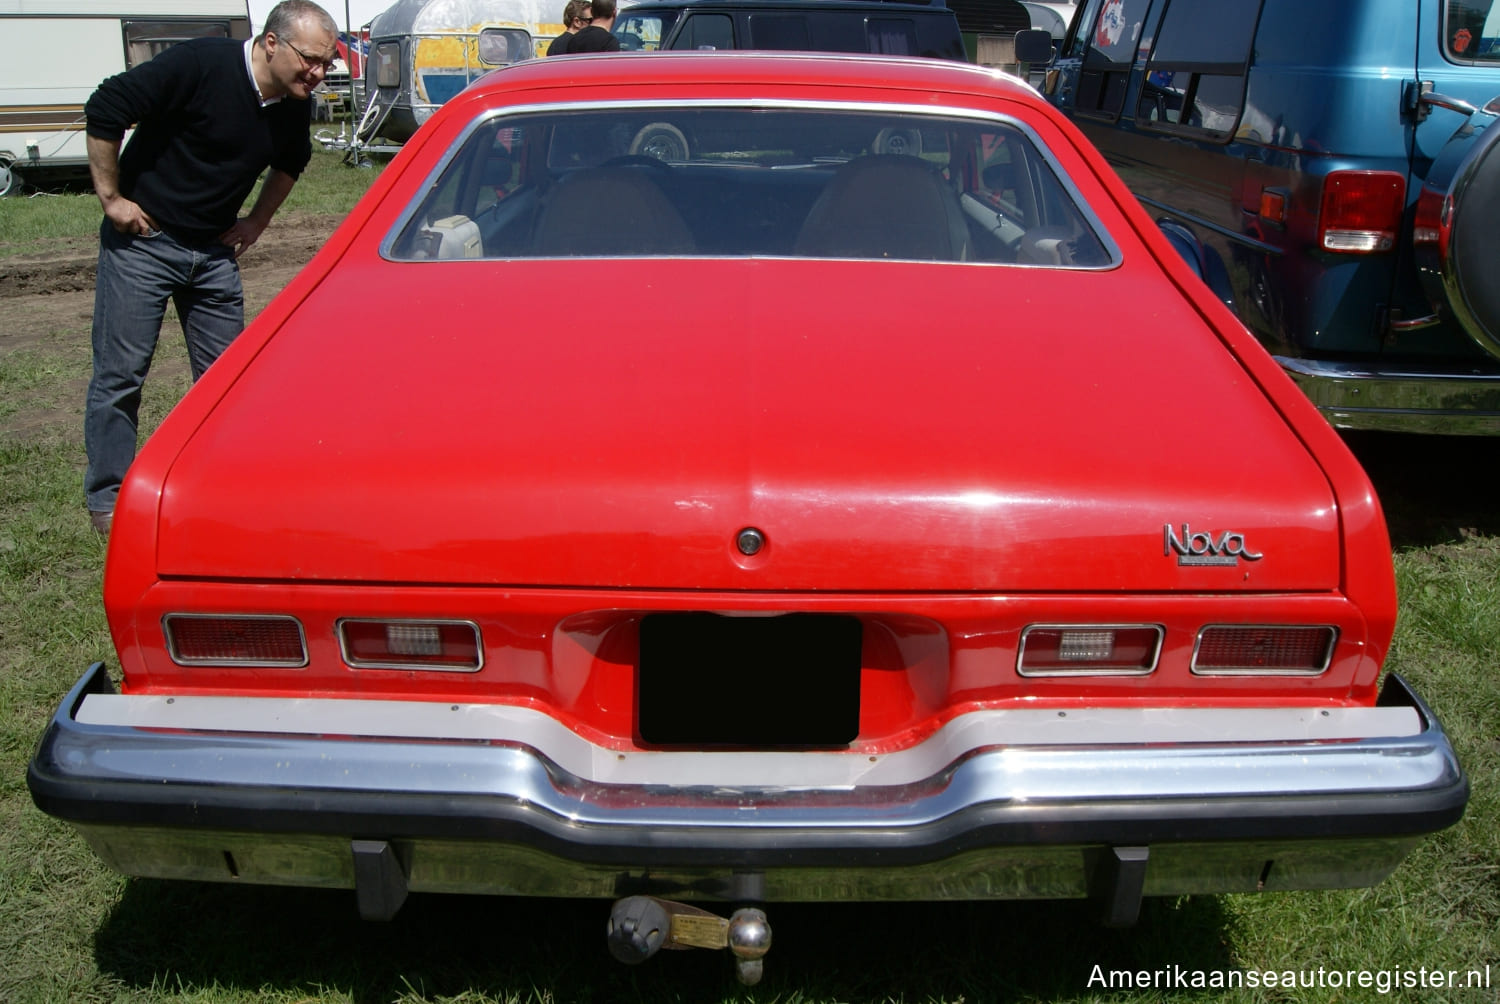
{"x": 67, "y": 265}
{"x": 47, "y": 299}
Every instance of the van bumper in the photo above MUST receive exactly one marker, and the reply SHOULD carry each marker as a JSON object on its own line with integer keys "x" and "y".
{"x": 1404, "y": 398}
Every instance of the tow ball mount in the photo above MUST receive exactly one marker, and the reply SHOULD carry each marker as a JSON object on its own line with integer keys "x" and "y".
{"x": 640, "y": 926}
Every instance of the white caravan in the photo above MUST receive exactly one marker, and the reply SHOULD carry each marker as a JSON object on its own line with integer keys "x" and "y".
{"x": 53, "y": 53}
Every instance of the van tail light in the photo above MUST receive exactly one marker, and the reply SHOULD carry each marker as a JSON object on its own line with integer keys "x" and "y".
{"x": 234, "y": 640}
{"x": 1089, "y": 649}
{"x": 449, "y": 646}
{"x": 1263, "y": 650}
{"x": 1361, "y": 211}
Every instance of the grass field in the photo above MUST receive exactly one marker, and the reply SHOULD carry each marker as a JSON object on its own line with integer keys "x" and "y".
{"x": 72, "y": 931}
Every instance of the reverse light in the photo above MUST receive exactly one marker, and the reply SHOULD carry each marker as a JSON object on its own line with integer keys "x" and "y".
{"x": 1263, "y": 650}
{"x": 235, "y": 640}
{"x": 1361, "y": 211}
{"x": 447, "y": 646}
{"x": 1089, "y": 649}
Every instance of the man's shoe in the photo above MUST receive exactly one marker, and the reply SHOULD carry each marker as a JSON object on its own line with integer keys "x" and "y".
{"x": 101, "y": 521}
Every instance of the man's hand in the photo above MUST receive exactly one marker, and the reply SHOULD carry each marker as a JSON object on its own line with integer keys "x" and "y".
{"x": 245, "y": 232}
{"x": 104, "y": 167}
{"x": 127, "y": 217}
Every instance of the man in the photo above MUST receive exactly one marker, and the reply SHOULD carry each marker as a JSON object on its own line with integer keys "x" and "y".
{"x": 597, "y": 37}
{"x": 575, "y": 19}
{"x": 210, "y": 115}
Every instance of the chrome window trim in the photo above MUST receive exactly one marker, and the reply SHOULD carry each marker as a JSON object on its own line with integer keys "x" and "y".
{"x": 1084, "y": 207}
{"x": 1333, "y": 642}
{"x": 353, "y": 663}
{"x": 180, "y": 660}
{"x": 1161, "y": 635}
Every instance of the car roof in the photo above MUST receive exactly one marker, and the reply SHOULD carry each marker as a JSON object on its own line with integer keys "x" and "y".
{"x": 777, "y": 71}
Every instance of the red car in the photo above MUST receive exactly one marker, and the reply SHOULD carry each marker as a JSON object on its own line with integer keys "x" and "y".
{"x": 749, "y": 478}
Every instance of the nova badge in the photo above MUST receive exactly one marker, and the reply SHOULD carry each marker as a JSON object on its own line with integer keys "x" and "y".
{"x": 1203, "y": 548}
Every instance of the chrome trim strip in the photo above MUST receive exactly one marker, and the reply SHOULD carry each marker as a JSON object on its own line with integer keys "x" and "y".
{"x": 171, "y": 641}
{"x": 1415, "y": 323}
{"x": 1239, "y": 238}
{"x": 1400, "y": 398}
{"x": 1085, "y": 209}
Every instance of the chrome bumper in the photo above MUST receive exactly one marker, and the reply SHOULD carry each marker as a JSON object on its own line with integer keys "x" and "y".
{"x": 997, "y": 804}
{"x": 1400, "y": 399}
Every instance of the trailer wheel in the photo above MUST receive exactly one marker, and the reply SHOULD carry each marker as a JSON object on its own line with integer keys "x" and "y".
{"x": 10, "y": 178}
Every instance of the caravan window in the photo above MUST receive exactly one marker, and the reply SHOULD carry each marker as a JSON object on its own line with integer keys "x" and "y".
{"x": 144, "y": 39}
{"x": 387, "y": 64}
{"x": 499, "y": 46}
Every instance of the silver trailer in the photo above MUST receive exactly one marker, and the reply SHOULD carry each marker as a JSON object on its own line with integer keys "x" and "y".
{"x": 423, "y": 52}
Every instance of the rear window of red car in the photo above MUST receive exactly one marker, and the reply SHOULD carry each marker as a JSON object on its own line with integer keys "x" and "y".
{"x": 752, "y": 181}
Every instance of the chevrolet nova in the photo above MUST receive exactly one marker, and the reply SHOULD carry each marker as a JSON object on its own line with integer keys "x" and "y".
{"x": 750, "y": 478}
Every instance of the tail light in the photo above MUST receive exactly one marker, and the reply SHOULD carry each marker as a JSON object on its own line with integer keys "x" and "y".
{"x": 234, "y": 640}
{"x": 450, "y": 646}
{"x": 1089, "y": 649}
{"x": 1263, "y": 650}
{"x": 1361, "y": 211}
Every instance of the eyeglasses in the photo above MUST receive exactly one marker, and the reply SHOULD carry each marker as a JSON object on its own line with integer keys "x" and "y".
{"x": 326, "y": 65}
{"x": 584, "y": 20}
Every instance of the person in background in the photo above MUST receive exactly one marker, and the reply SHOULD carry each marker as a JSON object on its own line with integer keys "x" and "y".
{"x": 575, "y": 19}
{"x": 597, "y": 37}
{"x": 210, "y": 114}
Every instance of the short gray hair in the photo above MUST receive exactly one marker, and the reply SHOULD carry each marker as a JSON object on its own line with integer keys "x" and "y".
{"x": 286, "y": 17}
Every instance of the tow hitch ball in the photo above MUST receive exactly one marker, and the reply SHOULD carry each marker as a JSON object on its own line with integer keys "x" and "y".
{"x": 640, "y": 926}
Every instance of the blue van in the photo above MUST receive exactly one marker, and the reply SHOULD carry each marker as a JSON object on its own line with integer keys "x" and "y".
{"x": 1330, "y": 169}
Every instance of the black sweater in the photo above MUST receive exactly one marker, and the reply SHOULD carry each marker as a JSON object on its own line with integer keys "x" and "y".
{"x": 201, "y": 137}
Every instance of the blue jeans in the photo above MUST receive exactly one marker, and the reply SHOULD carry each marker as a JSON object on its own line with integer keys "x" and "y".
{"x": 136, "y": 277}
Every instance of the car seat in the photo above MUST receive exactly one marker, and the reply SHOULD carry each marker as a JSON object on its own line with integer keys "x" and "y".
{"x": 610, "y": 210}
{"x": 886, "y": 206}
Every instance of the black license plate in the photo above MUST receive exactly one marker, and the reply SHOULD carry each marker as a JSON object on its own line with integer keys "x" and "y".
{"x": 790, "y": 680}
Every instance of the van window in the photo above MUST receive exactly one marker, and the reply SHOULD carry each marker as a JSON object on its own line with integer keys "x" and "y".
{"x": 1471, "y": 31}
{"x": 893, "y": 36}
{"x": 780, "y": 31}
{"x": 1110, "y": 41}
{"x": 646, "y": 29}
{"x": 1206, "y": 34}
{"x": 1195, "y": 78}
{"x": 706, "y": 31}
